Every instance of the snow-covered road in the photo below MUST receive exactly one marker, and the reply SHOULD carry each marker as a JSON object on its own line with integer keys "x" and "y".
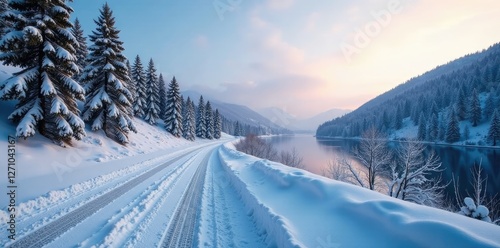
{"x": 155, "y": 204}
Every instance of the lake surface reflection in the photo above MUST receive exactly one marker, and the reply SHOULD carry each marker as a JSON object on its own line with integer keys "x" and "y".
{"x": 456, "y": 160}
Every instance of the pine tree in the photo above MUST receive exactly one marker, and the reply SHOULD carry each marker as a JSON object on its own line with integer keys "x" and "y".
{"x": 189, "y": 124}
{"x": 453, "y": 129}
{"x": 461, "y": 105}
{"x": 139, "y": 79}
{"x": 81, "y": 49}
{"x": 109, "y": 102}
{"x": 398, "y": 120}
{"x": 237, "y": 129}
{"x": 433, "y": 128}
{"x": 494, "y": 131}
{"x": 39, "y": 43}
{"x": 173, "y": 115}
{"x": 152, "y": 108}
{"x": 475, "y": 109}
{"x": 200, "y": 119}
{"x": 163, "y": 97}
{"x": 489, "y": 107}
{"x": 422, "y": 129}
{"x": 209, "y": 121}
{"x": 217, "y": 125}
{"x": 130, "y": 83}
{"x": 4, "y": 24}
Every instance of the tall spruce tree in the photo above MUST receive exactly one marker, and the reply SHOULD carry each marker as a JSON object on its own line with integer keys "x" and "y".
{"x": 209, "y": 121}
{"x": 109, "y": 102}
{"x": 422, "y": 128}
{"x": 217, "y": 125}
{"x": 433, "y": 128}
{"x": 40, "y": 44}
{"x": 189, "y": 124}
{"x": 139, "y": 79}
{"x": 81, "y": 49}
{"x": 173, "y": 116}
{"x": 453, "y": 129}
{"x": 152, "y": 108}
{"x": 237, "y": 129}
{"x": 398, "y": 119}
{"x": 489, "y": 106}
{"x": 461, "y": 102}
{"x": 494, "y": 131}
{"x": 163, "y": 97}
{"x": 475, "y": 109}
{"x": 200, "y": 119}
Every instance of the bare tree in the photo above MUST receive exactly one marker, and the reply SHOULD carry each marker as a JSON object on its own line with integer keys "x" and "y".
{"x": 478, "y": 199}
{"x": 291, "y": 158}
{"x": 255, "y": 146}
{"x": 373, "y": 155}
{"x": 411, "y": 176}
{"x": 337, "y": 171}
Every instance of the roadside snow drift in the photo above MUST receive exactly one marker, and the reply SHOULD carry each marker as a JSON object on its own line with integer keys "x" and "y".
{"x": 299, "y": 209}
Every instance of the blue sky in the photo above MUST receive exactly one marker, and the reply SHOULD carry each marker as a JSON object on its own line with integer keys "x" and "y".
{"x": 302, "y": 56}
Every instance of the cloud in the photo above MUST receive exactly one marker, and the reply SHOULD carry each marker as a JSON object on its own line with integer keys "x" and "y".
{"x": 279, "y": 4}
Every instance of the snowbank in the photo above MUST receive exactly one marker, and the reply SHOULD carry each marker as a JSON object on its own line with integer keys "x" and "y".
{"x": 299, "y": 209}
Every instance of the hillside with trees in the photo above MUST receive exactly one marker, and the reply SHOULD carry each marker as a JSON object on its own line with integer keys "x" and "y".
{"x": 442, "y": 105}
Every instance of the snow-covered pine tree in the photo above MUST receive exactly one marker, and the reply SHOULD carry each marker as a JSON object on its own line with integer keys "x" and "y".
{"x": 494, "y": 131}
{"x": 139, "y": 80}
{"x": 40, "y": 44}
{"x": 200, "y": 119}
{"x": 433, "y": 128}
{"x": 398, "y": 119}
{"x": 81, "y": 49}
{"x": 453, "y": 129}
{"x": 163, "y": 97}
{"x": 189, "y": 124}
{"x": 152, "y": 108}
{"x": 4, "y": 24}
{"x": 489, "y": 107}
{"x": 130, "y": 83}
{"x": 237, "y": 129}
{"x": 422, "y": 129}
{"x": 461, "y": 105}
{"x": 109, "y": 102}
{"x": 173, "y": 115}
{"x": 209, "y": 121}
{"x": 475, "y": 109}
{"x": 217, "y": 125}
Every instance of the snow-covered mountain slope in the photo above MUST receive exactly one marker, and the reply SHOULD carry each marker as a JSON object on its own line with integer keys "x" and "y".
{"x": 299, "y": 209}
{"x": 235, "y": 112}
{"x": 284, "y": 119}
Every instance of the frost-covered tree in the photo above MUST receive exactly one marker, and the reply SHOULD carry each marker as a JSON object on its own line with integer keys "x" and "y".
{"x": 237, "y": 129}
{"x": 461, "y": 104}
{"x": 453, "y": 129}
{"x": 398, "y": 119}
{"x": 173, "y": 115}
{"x": 163, "y": 97}
{"x": 200, "y": 119}
{"x": 477, "y": 212}
{"x": 494, "y": 131}
{"x": 422, "y": 128}
{"x": 81, "y": 49}
{"x": 373, "y": 155}
{"x": 475, "y": 109}
{"x": 411, "y": 176}
{"x": 109, "y": 102}
{"x": 139, "y": 79}
{"x": 189, "y": 126}
{"x": 152, "y": 108}
{"x": 41, "y": 45}
{"x": 209, "y": 121}
{"x": 217, "y": 125}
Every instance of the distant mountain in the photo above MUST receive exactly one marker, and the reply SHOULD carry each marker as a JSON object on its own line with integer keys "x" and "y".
{"x": 238, "y": 113}
{"x": 466, "y": 89}
{"x": 284, "y": 119}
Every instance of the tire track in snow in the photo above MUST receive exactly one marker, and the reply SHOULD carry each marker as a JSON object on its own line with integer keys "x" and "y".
{"x": 181, "y": 230}
{"x": 54, "y": 229}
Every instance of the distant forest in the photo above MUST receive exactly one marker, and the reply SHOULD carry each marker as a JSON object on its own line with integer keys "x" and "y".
{"x": 467, "y": 89}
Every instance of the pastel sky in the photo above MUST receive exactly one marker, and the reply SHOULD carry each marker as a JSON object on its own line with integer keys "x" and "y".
{"x": 302, "y": 56}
